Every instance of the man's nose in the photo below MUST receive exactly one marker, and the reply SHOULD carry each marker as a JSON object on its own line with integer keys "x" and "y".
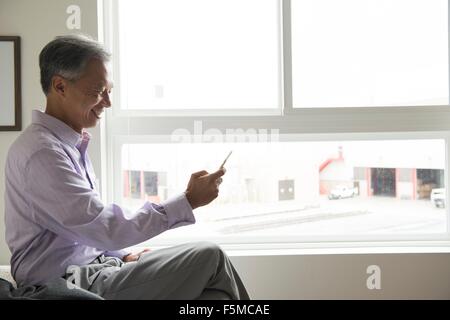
{"x": 106, "y": 99}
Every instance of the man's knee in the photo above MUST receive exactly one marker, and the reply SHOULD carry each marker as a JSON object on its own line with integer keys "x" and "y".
{"x": 209, "y": 250}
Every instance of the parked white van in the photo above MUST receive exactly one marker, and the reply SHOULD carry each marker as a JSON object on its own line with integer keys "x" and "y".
{"x": 340, "y": 192}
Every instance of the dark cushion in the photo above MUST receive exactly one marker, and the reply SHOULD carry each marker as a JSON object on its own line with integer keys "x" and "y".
{"x": 54, "y": 290}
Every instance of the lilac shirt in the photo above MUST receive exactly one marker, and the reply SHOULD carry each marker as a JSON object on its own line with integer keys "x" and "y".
{"x": 53, "y": 212}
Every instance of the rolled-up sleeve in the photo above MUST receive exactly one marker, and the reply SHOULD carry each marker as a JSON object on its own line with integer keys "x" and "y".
{"x": 62, "y": 201}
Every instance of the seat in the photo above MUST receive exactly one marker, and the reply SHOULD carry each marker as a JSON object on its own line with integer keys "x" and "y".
{"x": 56, "y": 289}
{"x": 5, "y": 273}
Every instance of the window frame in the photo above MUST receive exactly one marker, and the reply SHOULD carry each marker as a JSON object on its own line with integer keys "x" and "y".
{"x": 288, "y": 108}
{"x": 306, "y": 124}
{"x": 112, "y": 29}
{"x": 120, "y": 140}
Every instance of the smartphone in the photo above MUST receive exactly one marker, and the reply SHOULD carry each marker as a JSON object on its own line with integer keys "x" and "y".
{"x": 224, "y": 161}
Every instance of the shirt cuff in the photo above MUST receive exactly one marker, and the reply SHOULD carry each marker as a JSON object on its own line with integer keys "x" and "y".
{"x": 118, "y": 253}
{"x": 179, "y": 211}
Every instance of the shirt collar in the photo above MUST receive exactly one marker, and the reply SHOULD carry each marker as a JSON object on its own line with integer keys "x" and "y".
{"x": 83, "y": 143}
{"x": 60, "y": 129}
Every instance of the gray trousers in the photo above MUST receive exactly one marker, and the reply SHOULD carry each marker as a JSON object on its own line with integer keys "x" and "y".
{"x": 199, "y": 270}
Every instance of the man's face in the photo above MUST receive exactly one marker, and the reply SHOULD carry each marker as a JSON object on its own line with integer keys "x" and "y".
{"x": 87, "y": 97}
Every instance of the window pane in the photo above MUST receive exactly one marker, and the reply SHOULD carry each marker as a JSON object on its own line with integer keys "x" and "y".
{"x": 177, "y": 54}
{"x": 285, "y": 189}
{"x": 357, "y": 53}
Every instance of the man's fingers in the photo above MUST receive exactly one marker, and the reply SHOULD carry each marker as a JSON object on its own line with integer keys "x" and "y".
{"x": 216, "y": 175}
{"x": 199, "y": 173}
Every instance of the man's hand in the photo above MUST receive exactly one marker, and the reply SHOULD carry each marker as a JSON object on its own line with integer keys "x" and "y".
{"x": 134, "y": 256}
{"x": 203, "y": 187}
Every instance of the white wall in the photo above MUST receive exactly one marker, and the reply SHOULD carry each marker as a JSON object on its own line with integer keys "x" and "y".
{"x": 36, "y": 22}
{"x": 344, "y": 276}
{"x": 323, "y": 276}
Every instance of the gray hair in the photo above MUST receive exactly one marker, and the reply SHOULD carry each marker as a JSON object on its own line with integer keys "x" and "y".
{"x": 67, "y": 56}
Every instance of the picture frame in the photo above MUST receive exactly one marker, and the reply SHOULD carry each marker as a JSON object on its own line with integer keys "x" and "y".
{"x": 10, "y": 84}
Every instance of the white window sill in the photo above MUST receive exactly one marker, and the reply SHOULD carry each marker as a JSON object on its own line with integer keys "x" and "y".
{"x": 321, "y": 249}
{"x": 335, "y": 251}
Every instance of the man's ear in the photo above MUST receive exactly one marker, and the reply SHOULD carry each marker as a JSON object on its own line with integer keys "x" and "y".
{"x": 59, "y": 85}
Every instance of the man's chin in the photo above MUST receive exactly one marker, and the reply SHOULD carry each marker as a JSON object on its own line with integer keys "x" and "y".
{"x": 92, "y": 124}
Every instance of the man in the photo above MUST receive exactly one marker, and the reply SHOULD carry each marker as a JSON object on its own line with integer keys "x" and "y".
{"x": 56, "y": 224}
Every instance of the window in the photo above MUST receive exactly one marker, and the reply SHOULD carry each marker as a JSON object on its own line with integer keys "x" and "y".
{"x": 353, "y": 53}
{"x": 315, "y": 192}
{"x": 336, "y": 112}
{"x": 199, "y": 54}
